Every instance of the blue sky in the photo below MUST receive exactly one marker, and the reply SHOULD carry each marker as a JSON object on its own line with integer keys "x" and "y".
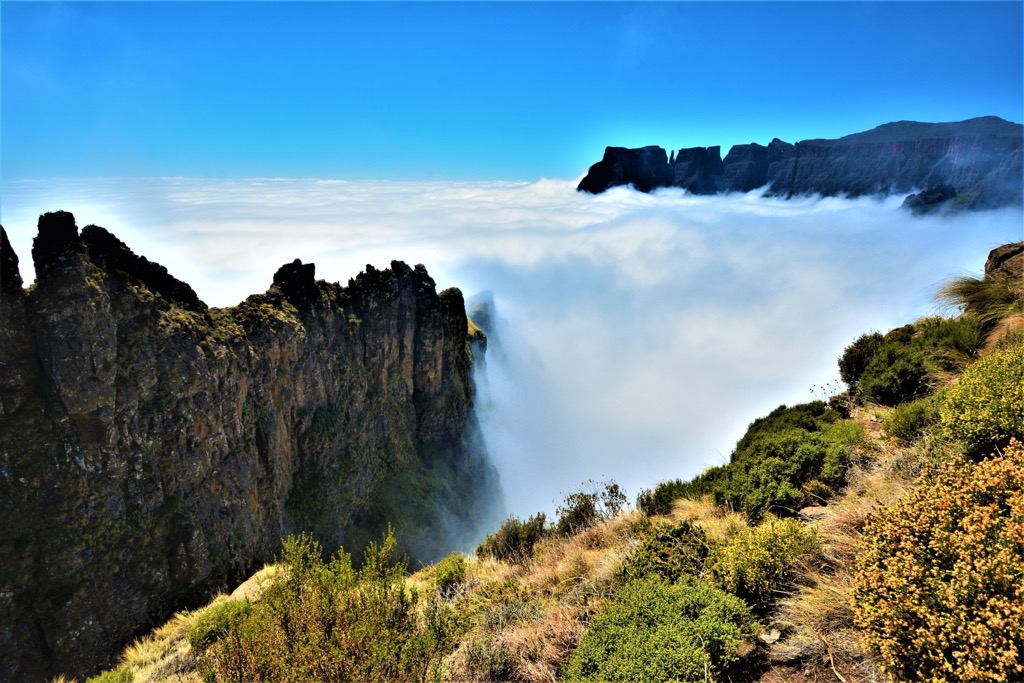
{"x": 510, "y": 91}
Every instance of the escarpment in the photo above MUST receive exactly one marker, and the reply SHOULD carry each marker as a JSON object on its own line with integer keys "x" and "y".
{"x": 973, "y": 164}
{"x": 154, "y": 450}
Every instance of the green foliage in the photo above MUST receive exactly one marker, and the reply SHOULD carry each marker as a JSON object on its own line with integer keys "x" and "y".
{"x": 908, "y": 420}
{"x": 783, "y": 462}
{"x": 938, "y": 586}
{"x": 450, "y": 573}
{"x": 856, "y": 356}
{"x": 658, "y": 501}
{"x": 215, "y": 621}
{"x": 669, "y": 552}
{"x": 326, "y": 621}
{"x": 584, "y": 508}
{"x": 122, "y": 674}
{"x": 758, "y": 560}
{"x": 656, "y": 631}
{"x": 902, "y": 365}
{"x": 514, "y": 540}
{"x": 896, "y": 373}
{"x": 985, "y": 407}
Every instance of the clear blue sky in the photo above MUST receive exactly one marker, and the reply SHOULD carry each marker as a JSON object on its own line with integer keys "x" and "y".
{"x": 511, "y": 91}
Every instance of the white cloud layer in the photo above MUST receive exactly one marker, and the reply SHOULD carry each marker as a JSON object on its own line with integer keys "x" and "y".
{"x": 640, "y": 333}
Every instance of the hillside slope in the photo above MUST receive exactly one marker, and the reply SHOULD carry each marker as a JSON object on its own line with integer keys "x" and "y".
{"x": 874, "y": 537}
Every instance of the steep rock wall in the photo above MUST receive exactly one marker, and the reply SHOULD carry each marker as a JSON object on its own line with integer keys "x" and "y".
{"x": 979, "y": 160}
{"x": 154, "y": 450}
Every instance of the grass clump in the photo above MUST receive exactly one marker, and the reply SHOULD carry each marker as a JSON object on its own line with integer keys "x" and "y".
{"x": 988, "y": 299}
{"x": 122, "y": 674}
{"x": 939, "y": 587}
{"x": 655, "y": 631}
{"x": 755, "y": 562}
{"x": 215, "y": 621}
{"x": 985, "y": 407}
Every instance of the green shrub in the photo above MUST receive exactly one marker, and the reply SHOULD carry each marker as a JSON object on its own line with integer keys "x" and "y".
{"x": 782, "y": 462}
{"x": 985, "y": 407}
{"x": 895, "y": 374}
{"x": 758, "y": 560}
{"x": 326, "y": 621}
{"x": 514, "y": 540}
{"x": 658, "y": 501}
{"x": 939, "y": 576}
{"x": 122, "y": 674}
{"x": 584, "y": 508}
{"x": 669, "y": 552}
{"x": 856, "y": 357}
{"x": 908, "y": 420}
{"x": 656, "y": 631}
{"x": 215, "y": 621}
{"x": 450, "y": 573}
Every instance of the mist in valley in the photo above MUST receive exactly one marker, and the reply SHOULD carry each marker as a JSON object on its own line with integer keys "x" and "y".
{"x": 634, "y": 336}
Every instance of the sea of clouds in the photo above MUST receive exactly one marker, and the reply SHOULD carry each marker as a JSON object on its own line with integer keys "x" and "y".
{"x": 638, "y": 334}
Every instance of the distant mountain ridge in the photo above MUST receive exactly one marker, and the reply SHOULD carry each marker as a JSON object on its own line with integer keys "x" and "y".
{"x": 972, "y": 164}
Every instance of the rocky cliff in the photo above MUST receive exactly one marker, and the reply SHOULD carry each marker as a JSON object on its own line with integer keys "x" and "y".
{"x": 973, "y": 164}
{"x": 154, "y": 450}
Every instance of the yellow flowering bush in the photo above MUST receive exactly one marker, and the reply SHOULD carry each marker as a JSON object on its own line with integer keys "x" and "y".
{"x": 939, "y": 586}
{"x": 985, "y": 407}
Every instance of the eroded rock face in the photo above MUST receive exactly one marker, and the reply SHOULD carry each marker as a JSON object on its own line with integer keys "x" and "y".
{"x": 1006, "y": 263}
{"x": 979, "y": 158}
{"x": 153, "y": 450}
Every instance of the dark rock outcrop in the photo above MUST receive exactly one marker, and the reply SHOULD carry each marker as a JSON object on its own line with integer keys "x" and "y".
{"x": 154, "y": 450}
{"x": 981, "y": 158}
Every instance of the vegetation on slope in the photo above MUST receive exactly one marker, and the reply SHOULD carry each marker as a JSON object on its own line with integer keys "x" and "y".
{"x": 877, "y": 536}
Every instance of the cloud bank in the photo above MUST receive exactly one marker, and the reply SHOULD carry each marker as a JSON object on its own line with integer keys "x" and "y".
{"x": 640, "y": 334}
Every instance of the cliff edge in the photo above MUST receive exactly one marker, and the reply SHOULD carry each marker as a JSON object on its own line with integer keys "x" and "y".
{"x": 154, "y": 450}
{"x": 972, "y": 164}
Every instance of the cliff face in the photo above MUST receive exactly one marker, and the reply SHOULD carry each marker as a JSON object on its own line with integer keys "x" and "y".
{"x": 976, "y": 163}
{"x": 153, "y": 450}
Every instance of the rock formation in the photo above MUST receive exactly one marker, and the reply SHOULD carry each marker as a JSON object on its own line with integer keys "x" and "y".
{"x": 154, "y": 450}
{"x": 978, "y": 160}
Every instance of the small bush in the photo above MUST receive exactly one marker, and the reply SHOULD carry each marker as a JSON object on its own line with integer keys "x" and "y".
{"x": 655, "y": 631}
{"x": 939, "y": 579}
{"x": 669, "y": 552}
{"x": 856, "y": 357}
{"x": 658, "y": 501}
{"x": 450, "y": 573}
{"x": 895, "y": 374}
{"x": 758, "y": 560}
{"x": 514, "y": 540}
{"x": 584, "y": 508}
{"x": 329, "y": 622}
{"x": 908, "y": 420}
{"x": 215, "y": 621}
{"x": 985, "y": 407}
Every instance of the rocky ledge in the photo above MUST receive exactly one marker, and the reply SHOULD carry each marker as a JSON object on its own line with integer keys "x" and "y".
{"x": 154, "y": 450}
{"x": 973, "y": 164}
